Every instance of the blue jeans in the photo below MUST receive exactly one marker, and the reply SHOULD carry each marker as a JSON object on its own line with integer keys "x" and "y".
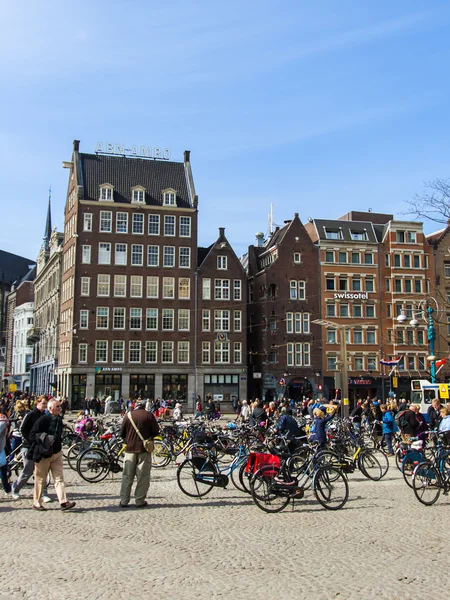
{"x": 388, "y": 437}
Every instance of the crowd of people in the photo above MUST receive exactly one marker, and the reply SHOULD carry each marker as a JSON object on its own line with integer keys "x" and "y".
{"x": 35, "y": 425}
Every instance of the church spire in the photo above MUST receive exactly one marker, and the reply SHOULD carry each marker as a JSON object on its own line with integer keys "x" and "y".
{"x": 48, "y": 224}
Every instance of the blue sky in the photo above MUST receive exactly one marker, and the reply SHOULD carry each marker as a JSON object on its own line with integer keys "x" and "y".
{"x": 318, "y": 108}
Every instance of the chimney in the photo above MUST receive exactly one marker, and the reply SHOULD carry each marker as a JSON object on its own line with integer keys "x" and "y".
{"x": 76, "y": 145}
{"x": 187, "y": 156}
{"x": 221, "y": 232}
{"x": 259, "y": 239}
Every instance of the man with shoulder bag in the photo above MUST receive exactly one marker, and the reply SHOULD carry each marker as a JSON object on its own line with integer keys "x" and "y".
{"x": 138, "y": 429}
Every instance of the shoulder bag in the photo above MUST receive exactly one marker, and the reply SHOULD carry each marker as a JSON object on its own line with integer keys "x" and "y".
{"x": 149, "y": 444}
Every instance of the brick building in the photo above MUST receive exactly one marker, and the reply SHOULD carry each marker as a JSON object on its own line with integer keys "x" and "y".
{"x": 284, "y": 298}
{"x": 129, "y": 288}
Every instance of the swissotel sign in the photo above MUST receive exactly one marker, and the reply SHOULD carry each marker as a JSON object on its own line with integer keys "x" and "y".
{"x": 352, "y": 295}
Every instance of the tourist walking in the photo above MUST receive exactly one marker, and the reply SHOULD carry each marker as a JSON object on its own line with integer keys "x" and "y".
{"x": 389, "y": 427}
{"x": 28, "y": 463}
{"x": 46, "y": 451}
{"x": 137, "y": 425}
{"x": 3, "y": 465}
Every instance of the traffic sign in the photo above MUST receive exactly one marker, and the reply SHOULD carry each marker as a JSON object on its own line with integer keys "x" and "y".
{"x": 443, "y": 391}
{"x": 282, "y": 381}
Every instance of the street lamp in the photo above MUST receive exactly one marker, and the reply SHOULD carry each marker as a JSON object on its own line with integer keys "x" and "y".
{"x": 426, "y": 312}
{"x": 344, "y": 368}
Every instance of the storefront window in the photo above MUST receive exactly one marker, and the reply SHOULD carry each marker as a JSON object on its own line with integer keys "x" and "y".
{"x": 143, "y": 386}
{"x": 175, "y": 387}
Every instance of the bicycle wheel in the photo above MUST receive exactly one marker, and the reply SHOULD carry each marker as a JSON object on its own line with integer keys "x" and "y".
{"x": 426, "y": 483}
{"x": 93, "y": 465}
{"x": 188, "y": 473}
{"x": 234, "y": 475}
{"x": 267, "y": 493}
{"x": 244, "y": 479}
{"x": 383, "y": 460}
{"x": 330, "y": 487}
{"x": 300, "y": 467}
{"x": 409, "y": 465}
{"x": 369, "y": 465}
{"x": 74, "y": 451}
{"x": 160, "y": 455}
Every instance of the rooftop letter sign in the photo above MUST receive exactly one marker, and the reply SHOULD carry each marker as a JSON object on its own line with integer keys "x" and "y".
{"x": 136, "y": 151}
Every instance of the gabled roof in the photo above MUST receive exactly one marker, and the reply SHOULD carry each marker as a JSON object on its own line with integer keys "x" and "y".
{"x": 13, "y": 267}
{"x": 125, "y": 173}
{"x": 202, "y": 253}
{"x": 437, "y": 236}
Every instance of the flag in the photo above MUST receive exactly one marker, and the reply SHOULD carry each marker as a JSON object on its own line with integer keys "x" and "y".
{"x": 390, "y": 363}
{"x": 440, "y": 363}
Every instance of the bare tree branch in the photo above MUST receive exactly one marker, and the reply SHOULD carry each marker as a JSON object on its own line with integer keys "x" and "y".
{"x": 433, "y": 204}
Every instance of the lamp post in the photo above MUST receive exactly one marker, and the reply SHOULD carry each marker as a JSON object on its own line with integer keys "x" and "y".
{"x": 427, "y": 315}
{"x": 343, "y": 355}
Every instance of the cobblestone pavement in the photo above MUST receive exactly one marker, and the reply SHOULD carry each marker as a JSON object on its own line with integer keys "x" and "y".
{"x": 382, "y": 545}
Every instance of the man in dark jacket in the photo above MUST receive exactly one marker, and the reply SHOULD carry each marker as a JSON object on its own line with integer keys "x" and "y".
{"x": 258, "y": 415}
{"x": 434, "y": 414}
{"x": 409, "y": 425}
{"x": 137, "y": 461}
{"x": 48, "y": 427}
{"x": 28, "y": 463}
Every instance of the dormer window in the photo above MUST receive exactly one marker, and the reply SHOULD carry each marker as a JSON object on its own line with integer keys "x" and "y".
{"x": 358, "y": 235}
{"x": 138, "y": 195}
{"x": 333, "y": 234}
{"x": 169, "y": 197}
{"x": 106, "y": 192}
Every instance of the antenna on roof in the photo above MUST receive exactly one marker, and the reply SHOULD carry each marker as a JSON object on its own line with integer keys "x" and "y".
{"x": 270, "y": 216}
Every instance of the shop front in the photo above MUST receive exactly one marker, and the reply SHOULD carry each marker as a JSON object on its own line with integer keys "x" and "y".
{"x": 299, "y": 388}
{"x": 223, "y": 388}
{"x": 142, "y": 386}
{"x": 175, "y": 387}
{"x": 108, "y": 382}
{"x": 361, "y": 388}
{"x": 78, "y": 391}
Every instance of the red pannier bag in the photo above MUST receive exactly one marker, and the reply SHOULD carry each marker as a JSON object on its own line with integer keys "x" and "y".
{"x": 256, "y": 460}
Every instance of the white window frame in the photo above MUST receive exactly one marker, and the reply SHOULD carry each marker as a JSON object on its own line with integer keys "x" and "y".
{"x": 237, "y": 321}
{"x": 123, "y": 254}
{"x": 84, "y": 319}
{"x": 123, "y": 217}
{"x": 297, "y": 258}
{"x": 152, "y": 283}
{"x": 135, "y": 312}
{"x": 136, "y": 250}
{"x": 222, "y": 262}
{"x": 86, "y": 254}
{"x": 107, "y": 250}
{"x": 154, "y": 254}
{"x": 237, "y": 289}
{"x": 138, "y": 195}
{"x": 206, "y": 288}
{"x": 184, "y": 288}
{"x": 185, "y": 227}
{"x": 222, "y": 320}
{"x": 135, "y": 346}
{"x": 167, "y": 319}
{"x": 237, "y": 353}
{"x": 151, "y": 224}
{"x": 98, "y": 316}
{"x": 169, "y": 198}
{"x": 170, "y": 225}
{"x": 151, "y": 317}
{"x": 87, "y": 221}
{"x": 106, "y": 193}
{"x": 151, "y": 346}
{"x": 184, "y": 257}
{"x": 85, "y": 287}
{"x": 221, "y": 289}
{"x": 206, "y": 353}
{"x": 206, "y": 320}
{"x": 169, "y": 257}
{"x": 167, "y": 352}
{"x": 119, "y": 285}
{"x": 137, "y": 223}
{"x": 184, "y": 319}
{"x": 136, "y": 282}
{"x": 168, "y": 284}
{"x": 105, "y": 221}
{"x": 82, "y": 353}
{"x": 118, "y": 346}
{"x": 103, "y": 279}
{"x": 119, "y": 312}
{"x": 183, "y": 351}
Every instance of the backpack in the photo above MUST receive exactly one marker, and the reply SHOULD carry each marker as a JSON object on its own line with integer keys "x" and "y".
{"x": 401, "y": 420}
